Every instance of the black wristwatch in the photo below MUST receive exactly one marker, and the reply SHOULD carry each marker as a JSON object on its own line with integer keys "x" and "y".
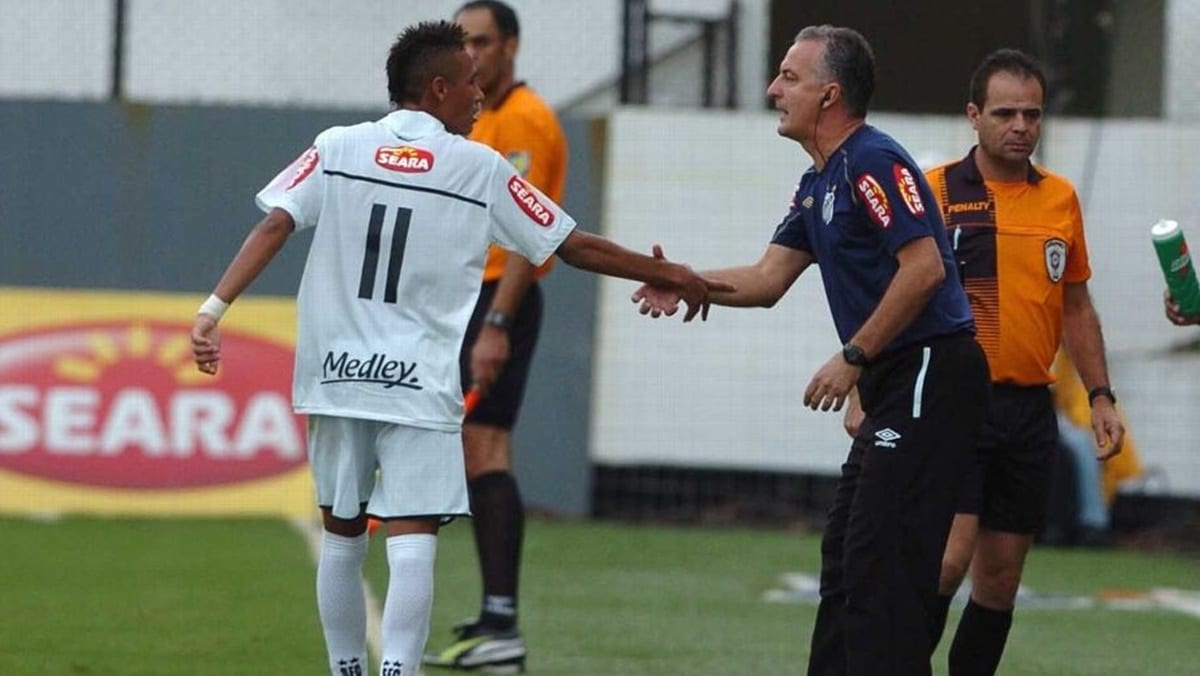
{"x": 497, "y": 319}
{"x": 1102, "y": 391}
{"x": 854, "y": 355}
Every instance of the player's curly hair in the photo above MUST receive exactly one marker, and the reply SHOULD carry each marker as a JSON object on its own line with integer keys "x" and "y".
{"x": 418, "y": 55}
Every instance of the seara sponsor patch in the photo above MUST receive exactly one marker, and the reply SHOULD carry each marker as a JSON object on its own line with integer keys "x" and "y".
{"x": 528, "y": 199}
{"x": 875, "y": 200}
{"x": 405, "y": 159}
{"x": 910, "y": 191}
{"x": 304, "y": 167}
{"x": 120, "y": 404}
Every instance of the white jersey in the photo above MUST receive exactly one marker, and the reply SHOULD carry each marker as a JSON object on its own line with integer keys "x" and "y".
{"x": 404, "y": 212}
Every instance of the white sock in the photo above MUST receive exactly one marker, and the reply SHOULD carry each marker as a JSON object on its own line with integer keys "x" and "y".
{"x": 340, "y": 603}
{"x": 409, "y": 601}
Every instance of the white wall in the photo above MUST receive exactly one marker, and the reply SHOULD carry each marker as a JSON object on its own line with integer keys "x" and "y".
{"x": 712, "y": 187}
{"x": 55, "y": 49}
{"x": 315, "y": 52}
{"x": 1181, "y": 81}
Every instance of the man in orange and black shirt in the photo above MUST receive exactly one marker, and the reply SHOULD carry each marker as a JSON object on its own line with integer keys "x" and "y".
{"x": 500, "y": 340}
{"x": 1017, "y": 233}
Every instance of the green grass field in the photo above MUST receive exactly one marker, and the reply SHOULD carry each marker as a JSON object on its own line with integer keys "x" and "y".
{"x": 188, "y": 597}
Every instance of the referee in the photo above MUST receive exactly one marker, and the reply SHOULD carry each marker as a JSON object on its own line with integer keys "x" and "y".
{"x": 1018, "y": 237}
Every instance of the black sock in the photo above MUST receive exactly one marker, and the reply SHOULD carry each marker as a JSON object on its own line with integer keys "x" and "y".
{"x": 499, "y": 521}
{"x": 979, "y": 642}
{"x": 937, "y": 620}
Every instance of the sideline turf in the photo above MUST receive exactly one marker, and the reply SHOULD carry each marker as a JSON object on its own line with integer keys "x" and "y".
{"x": 231, "y": 597}
{"x": 156, "y": 597}
{"x": 602, "y": 599}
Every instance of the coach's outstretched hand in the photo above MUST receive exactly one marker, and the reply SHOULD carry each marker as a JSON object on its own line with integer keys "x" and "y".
{"x": 658, "y": 301}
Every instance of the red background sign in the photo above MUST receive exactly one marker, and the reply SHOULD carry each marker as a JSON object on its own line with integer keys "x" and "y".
{"x": 120, "y": 404}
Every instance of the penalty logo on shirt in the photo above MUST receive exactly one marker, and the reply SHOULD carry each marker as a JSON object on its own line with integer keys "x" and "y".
{"x": 1056, "y": 259}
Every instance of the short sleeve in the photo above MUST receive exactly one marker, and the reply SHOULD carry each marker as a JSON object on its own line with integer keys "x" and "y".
{"x": 299, "y": 189}
{"x": 790, "y": 232}
{"x": 1079, "y": 268}
{"x": 894, "y": 196}
{"x": 523, "y": 218}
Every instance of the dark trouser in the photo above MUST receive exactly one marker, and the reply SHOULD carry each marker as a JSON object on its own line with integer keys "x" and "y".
{"x": 1008, "y": 481}
{"x": 502, "y": 405}
{"x": 882, "y": 549}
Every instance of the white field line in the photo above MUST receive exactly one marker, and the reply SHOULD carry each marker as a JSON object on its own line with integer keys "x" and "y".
{"x": 1177, "y": 599}
{"x": 310, "y": 529}
{"x": 799, "y": 587}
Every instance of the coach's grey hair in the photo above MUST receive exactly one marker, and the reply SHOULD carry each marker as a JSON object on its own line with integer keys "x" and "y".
{"x": 848, "y": 60}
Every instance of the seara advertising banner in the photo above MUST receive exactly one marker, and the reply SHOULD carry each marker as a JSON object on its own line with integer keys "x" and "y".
{"x": 102, "y": 410}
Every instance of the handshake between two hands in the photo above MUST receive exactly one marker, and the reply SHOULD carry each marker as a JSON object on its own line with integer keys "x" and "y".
{"x": 829, "y": 388}
{"x": 694, "y": 290}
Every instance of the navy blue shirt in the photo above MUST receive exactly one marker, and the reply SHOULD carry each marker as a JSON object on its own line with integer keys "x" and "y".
{"x": 853, "y": 215}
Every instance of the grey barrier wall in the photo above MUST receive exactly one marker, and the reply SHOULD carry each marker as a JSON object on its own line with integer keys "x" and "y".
{"x": 551, "y": 439}
{"x": 134, "y": 197}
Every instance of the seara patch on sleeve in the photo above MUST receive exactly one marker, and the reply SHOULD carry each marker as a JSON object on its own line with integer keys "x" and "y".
{"x": 304, "y": 167}
{"x": 875, "y": 200}
{"x": 910, "y": 191}
{"x": 530, "y": 201}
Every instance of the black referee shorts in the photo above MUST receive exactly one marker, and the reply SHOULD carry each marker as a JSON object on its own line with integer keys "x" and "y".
{"x": 503, "y": 402}
{"x": 1008, "y": 483}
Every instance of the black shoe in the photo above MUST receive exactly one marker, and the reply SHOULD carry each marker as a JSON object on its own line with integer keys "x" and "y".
{"x": 477, "y": 647}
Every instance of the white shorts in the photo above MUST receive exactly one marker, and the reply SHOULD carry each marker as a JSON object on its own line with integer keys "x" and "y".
{"x": 399, "y": 471}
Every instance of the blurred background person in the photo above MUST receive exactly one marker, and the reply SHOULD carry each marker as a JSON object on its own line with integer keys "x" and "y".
{"x": 1095, "y": 483}
{"x": 499, "y": 346}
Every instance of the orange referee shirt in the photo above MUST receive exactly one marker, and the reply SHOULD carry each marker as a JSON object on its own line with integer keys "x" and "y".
{"x": 1016, "y": 245}
{"x": 526, "y": 132}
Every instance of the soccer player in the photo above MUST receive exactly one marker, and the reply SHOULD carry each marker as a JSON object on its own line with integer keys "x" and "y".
{"x": 861, "y": 214}
{"x": 500, "y": 340}
{"x": 1017, "y": 233}
{"x": 403, "y": 210}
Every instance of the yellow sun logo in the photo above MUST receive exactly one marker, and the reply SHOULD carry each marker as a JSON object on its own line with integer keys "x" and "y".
{"x": 172, "y": 352}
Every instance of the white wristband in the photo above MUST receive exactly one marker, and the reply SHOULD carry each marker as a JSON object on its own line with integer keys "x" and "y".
{"x": 213, "y": 307}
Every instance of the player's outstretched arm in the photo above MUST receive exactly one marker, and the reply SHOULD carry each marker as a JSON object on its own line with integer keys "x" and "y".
{"x": 260, "y": 246}
{"x": 597, "y": 254}
{"x": 758, "y": 285}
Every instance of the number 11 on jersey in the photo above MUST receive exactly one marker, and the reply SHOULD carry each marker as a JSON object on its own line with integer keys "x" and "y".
{"x": 366, "y": 283}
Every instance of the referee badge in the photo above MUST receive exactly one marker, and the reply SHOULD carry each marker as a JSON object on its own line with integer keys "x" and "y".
{"x": 520, "y": 159}
{"x": 1056, "y": 259}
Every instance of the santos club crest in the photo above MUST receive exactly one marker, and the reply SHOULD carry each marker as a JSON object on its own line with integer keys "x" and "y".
{"x": 1056, "y": 259}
